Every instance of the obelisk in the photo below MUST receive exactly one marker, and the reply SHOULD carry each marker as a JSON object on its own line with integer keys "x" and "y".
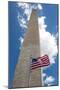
{"x": 24, "y": 76}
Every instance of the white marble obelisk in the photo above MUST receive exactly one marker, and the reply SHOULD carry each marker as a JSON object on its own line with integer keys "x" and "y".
{"x": 24, "y": 76}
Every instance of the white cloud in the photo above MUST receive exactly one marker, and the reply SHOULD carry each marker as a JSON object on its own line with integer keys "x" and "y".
{"x": 37, "y": 6}
{"x": 22, "y": 21}
{"x": 23, "y": 5}
{"x": 48, "y": 43}
{"x": 27, "y": 5}
{"x": 40, "y": 6}
{"x": 27, "y": 12}
{"x": 42, "y": 20}
{"x": 49, "y": 80}
{"x": 27, "y": 9}
{"x": 21, "y": 39}
{"x": 44, "y": 75}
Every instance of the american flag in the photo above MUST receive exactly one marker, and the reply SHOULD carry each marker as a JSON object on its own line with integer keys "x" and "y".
{"x": 40, "y": 62}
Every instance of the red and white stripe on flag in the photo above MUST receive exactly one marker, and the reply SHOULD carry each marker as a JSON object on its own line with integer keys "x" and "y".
{"x": 40, "y": 62}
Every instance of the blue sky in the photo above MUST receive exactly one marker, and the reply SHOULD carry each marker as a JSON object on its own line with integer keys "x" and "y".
{"x": 16, "y": 31}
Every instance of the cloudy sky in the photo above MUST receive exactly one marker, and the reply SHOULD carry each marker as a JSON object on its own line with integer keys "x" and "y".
{"x": 19, "y": 15}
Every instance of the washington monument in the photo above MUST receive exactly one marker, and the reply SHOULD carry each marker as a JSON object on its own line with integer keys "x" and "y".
{"x": 24, "y": 76}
